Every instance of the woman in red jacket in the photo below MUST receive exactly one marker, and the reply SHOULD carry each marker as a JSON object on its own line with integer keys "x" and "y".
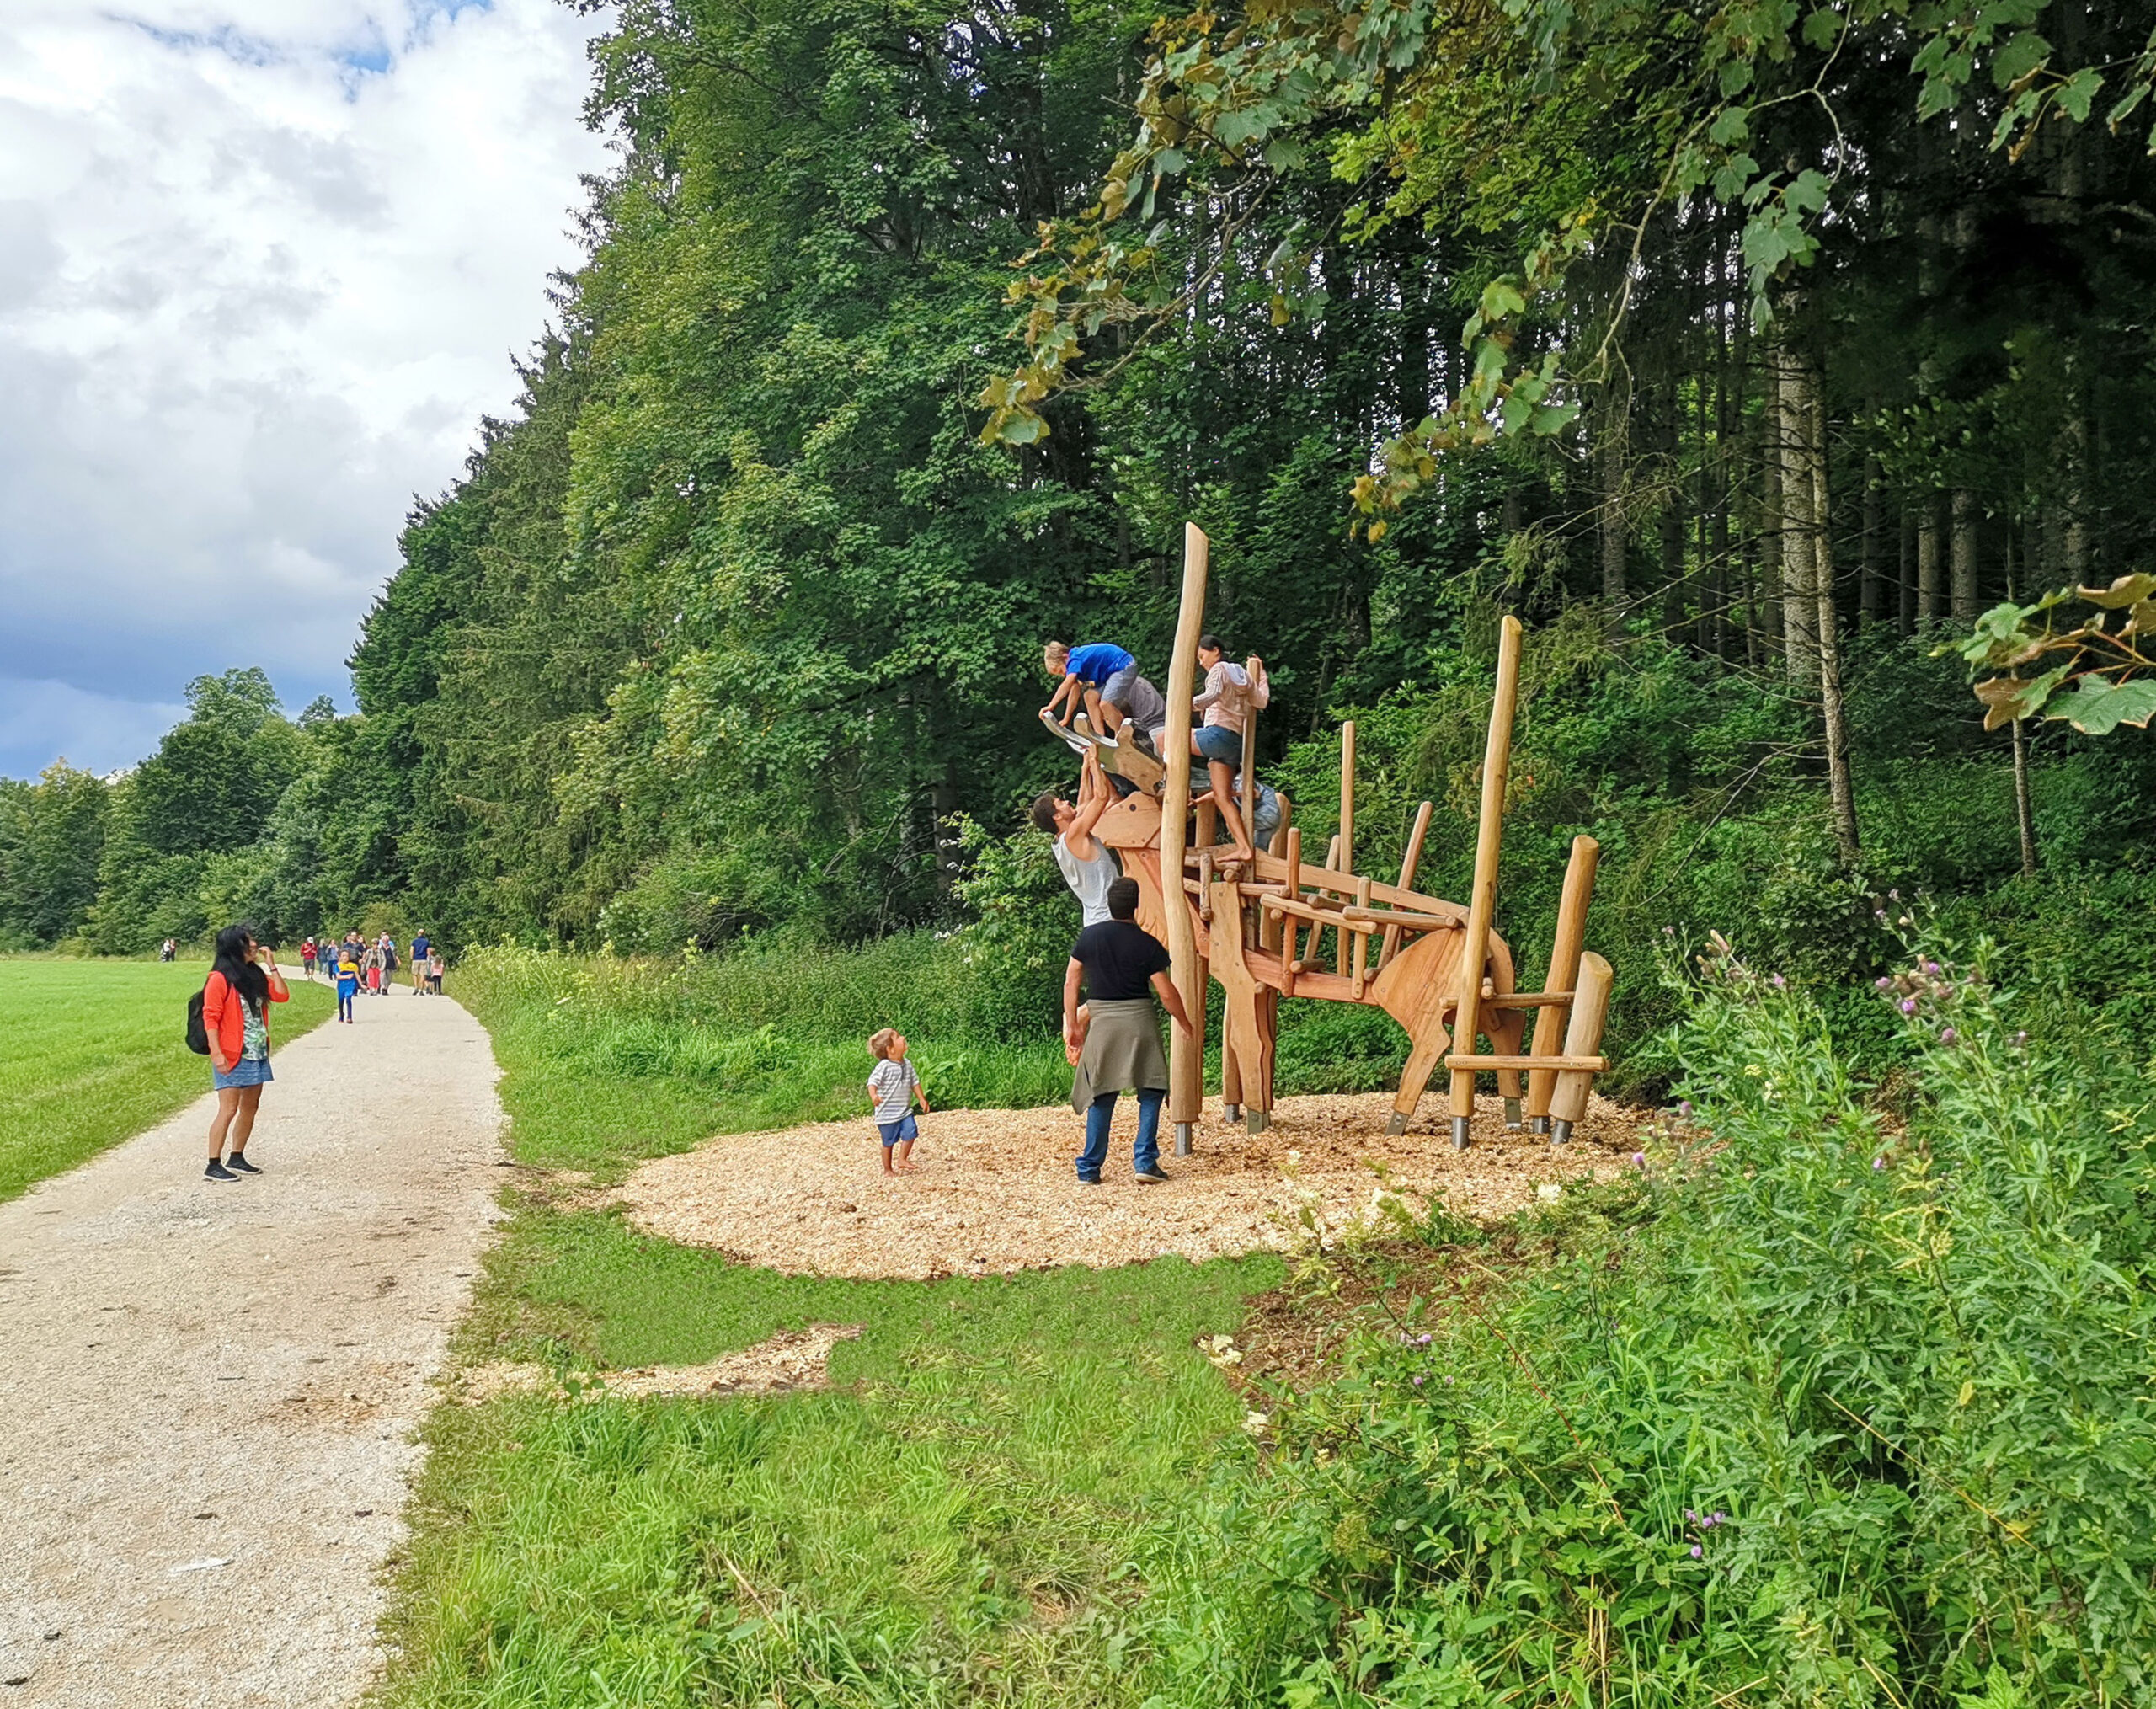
{"x": 244, "y": 982}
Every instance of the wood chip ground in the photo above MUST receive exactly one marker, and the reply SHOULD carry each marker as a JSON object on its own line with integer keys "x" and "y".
{"x": 996, "y": 1189}
{"x": 792, "y": 1358}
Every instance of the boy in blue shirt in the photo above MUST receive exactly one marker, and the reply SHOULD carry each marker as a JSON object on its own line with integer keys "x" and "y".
{"x": 420, "y": 945}
{"x": 1105, "y": 678}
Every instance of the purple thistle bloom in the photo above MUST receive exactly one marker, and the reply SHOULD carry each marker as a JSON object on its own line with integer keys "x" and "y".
{"x": 1697, "y": 1551}
{"x": 1684, "y": 1109}
{"x": 1909, "y": 1005}
{"x": 1721, "y": 1517}
{"x": 1418, "y": 1382}
{"x": 1878, "y": 1162}
{"x": 1423, "y": 1339}
{"x": 1947, "y": 1035}
{"x": 1884, "y": 982}
{"x": 1639, "y": 1159}
{"x": 1780, "y": 982}
{"x": 1691, "y": 1517}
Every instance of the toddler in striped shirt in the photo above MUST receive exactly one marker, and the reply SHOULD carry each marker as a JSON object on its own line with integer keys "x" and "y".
{"x": 893, "y": 1087}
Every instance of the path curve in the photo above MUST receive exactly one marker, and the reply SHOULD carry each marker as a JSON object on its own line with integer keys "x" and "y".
{"x": 208, "y": 1390}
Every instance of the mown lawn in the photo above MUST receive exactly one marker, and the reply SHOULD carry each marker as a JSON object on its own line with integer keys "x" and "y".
{"x": 92, "y": 1052}
{"x": 961, "y": 1518}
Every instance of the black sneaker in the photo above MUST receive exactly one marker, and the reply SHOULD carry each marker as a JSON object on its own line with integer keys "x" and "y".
{"x": 238, "y": 1160}
{"x": 1150, "y": 1177}
{"x": 218, "y": 1171}
{"x": 1089, "y": 1180}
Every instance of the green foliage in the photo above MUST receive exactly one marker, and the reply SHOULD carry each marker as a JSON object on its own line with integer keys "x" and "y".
{"x": 1814, "y": 1409}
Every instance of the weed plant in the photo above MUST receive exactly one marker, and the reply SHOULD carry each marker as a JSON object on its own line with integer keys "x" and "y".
{"x": 1813, "y": 1409}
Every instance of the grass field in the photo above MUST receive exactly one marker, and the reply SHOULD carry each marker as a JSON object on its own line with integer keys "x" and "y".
{"x": 970, "y": 1514}
{"x": 92, "y": 1052}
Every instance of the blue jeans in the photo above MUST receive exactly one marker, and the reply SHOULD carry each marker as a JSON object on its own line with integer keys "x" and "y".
{"x": 1145, "y": 1152}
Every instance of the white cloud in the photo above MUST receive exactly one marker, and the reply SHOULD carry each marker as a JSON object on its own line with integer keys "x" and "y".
{"x": 262, "y": 265}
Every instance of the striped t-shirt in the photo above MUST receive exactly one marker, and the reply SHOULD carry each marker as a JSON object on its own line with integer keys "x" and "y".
{"x": 892, "y": 1084}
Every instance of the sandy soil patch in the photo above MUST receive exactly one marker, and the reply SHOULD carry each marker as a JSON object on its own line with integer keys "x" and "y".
{"x": 792, "y": 1358}
{"x": 996, "y": 1189}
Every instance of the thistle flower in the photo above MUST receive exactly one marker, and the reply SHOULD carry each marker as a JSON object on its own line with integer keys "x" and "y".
{"x": 1780, "y": 982}
{"x": 1684, "y": 1109}
{"x": 1418, "y": 1382}
{"x": 1639, "y": 1159}
{"x": 1909, "y": 1005}
{"x": 1697, "y": 1551}
{"x": 1883, "y": 982}
{"x": 1947, "y": 1035}
{"x": 1878, "y": 1162}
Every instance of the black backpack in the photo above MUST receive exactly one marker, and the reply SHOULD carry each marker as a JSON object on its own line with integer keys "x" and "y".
{"x": 198, "y": 1035}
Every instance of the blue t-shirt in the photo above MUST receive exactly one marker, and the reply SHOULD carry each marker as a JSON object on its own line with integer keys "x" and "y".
{"x": 419, "y": 948}
{"x": 1097, "y": 661}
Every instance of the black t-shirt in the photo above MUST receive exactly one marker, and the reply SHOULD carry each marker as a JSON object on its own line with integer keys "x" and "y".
{"x": 1120, "y": 957}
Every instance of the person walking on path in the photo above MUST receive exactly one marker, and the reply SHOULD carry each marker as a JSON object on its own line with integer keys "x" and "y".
{"x": 306, "y": 955}
{"x": 420, "y": 945}
{"x": 1118, "y": 1044}
{"x": 244, "y": 982}
{"x": 347, "y": 974}
{"x": 1084, "y": 863}
{"x": 433, "y": 971}
{"x": 893, "y": 1087}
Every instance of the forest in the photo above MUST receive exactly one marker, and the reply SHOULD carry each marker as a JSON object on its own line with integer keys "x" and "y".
{"x": 1758, "y": 358}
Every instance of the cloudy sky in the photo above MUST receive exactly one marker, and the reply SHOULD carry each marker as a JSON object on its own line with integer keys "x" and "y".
{"x": 262, "y": 265}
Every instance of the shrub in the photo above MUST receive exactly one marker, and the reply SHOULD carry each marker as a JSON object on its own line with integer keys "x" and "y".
{"x": 1833, "y": 1412}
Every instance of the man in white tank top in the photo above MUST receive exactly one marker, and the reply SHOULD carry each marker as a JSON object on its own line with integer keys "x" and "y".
{"x": 1087, "y": 866}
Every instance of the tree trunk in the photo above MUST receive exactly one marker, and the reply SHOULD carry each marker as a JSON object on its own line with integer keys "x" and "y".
{"x": 1905, "y": 581}
{"x": 1930, "y": 605}
{"x": 2023, "y": 816}
{"x": 1965, "y": 556}
{"x": 1611, "y": 520}
{"x": 1872, "y": 588}
{"x": 1840, "y": 787}
{"x": 1767, "y": 607}
{"x": 1789, "y": 427}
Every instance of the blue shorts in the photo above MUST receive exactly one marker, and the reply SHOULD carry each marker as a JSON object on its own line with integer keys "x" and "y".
{"x": 248, "y": 1070}
{"x": 1218, "y": 742}
{"x": 903, "y": 1129}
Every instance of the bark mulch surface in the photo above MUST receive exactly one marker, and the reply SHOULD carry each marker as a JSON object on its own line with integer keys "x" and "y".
{"x": 995, "y": 1191}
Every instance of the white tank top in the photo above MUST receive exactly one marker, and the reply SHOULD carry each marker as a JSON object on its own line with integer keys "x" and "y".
{"x": 1089, "y": 880}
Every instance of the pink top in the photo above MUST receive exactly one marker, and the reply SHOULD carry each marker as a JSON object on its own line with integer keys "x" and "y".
{"x": 1231, "y": 695}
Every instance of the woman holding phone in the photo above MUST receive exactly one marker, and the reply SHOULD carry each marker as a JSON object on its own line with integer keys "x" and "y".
{"x": 244, "y": 982}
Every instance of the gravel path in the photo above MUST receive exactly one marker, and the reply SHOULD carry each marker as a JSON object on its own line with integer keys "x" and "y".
{"x": 208, "y": 1390}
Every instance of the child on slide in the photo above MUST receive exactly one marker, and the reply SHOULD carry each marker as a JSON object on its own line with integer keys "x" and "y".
{"x": 1104, "y": 679}
{"x": 893, "y": 1087}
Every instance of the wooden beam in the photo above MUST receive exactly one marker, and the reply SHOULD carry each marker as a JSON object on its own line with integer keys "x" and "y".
{"x": 1582, "y": 1038}
{"x": 1582, "y": 1065}
{"x": 1408, "y": 862}
{"x": 1563, "y": 973}
{"x": 1187, "y": 1044}
{"x": 1489, "y": 844}
{"x": 1342, "y": 856}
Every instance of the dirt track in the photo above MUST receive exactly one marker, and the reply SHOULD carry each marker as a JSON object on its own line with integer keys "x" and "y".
{"x": 207, "y": 1391}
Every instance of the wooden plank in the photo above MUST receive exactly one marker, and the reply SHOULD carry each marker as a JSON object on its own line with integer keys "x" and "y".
{"x": 1344, "y": 850}
{"x": 1563, "y": 974}
{"x": 1489, "y": 845}
{"x": 1585, "y": 1064}
{"x": 1187, "y": 1044}
{"x": 1361, "y": 940}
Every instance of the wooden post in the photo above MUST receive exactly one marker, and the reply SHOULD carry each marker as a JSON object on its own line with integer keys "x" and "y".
{"x": 1408, "y": 862}
{"x": 1187, "y": 1044}
{"x": 1582, "y": 1039}
{"x": 1489, "y": 842}
{"x": 1248, "y": 777}
{"x": 1563, "y": 974}
{"x": 1343, "y": 858}
{"x": 1362, "y": 939}
{"x": 1294, "y": 926}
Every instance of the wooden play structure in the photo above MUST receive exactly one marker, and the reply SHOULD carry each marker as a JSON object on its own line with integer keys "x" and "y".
{"x": 1438, "y": 968}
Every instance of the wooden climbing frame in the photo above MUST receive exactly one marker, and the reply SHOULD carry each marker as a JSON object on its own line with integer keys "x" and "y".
{"x": 1438, "y": 968}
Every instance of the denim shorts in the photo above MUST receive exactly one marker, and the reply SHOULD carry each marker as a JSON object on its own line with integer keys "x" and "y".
{"x": 248, "y": 1070}
{"x": 895, "y": 1133}
{"x": 1218, "y": 742}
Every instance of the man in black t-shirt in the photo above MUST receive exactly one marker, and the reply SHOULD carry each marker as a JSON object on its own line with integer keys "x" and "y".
{"x": 1119, "y": 1044}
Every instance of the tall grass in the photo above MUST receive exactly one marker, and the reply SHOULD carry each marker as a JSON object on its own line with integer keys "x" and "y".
{"x": 1837, "y": 1411}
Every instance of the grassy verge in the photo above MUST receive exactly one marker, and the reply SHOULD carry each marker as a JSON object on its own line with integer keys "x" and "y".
{"x": 92, "y": 1052}
{"x": 961, "y": 1518}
